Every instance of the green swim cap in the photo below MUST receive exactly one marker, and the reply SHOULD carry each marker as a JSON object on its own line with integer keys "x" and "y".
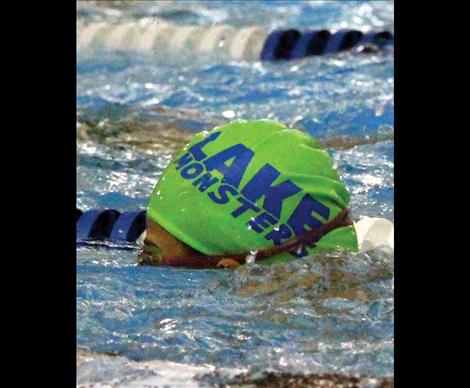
{"x": 250, "y": 185}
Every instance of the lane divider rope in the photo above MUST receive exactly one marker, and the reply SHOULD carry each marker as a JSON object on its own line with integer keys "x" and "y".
{"x": 251, "y": 43}
{"x": 110, "y": 224}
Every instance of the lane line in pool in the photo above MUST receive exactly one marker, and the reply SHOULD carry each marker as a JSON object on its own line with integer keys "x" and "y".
{"x": 249, "y": 43}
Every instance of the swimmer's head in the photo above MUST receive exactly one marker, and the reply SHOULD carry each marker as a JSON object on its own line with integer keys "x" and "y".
{"x": 245, "y": 187}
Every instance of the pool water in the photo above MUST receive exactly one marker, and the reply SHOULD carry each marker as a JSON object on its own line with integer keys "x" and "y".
{"x": 331, "y": 313}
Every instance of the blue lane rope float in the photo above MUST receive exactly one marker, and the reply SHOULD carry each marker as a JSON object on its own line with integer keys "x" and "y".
{"x": 380, "y": 39}
{"x": 110, "y": 224}
{"x": 279, "y": 44}
{"x": 85, "y": 223}
{"x": 342, "y": 40}
{"x": 250, "y": 43}
{"x": 350, "y": 39}
{"x": 129, "y": 226}
{"x": 310, "y": 43}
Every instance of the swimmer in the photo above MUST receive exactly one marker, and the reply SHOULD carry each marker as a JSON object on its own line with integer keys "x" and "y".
{"x": 247, "y": 191}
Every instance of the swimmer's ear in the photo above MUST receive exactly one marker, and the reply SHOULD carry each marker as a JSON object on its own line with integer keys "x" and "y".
{"x": 228, "y": 264}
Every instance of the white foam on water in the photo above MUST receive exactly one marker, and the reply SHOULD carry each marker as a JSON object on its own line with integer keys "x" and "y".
{"x": 115, "y": 371}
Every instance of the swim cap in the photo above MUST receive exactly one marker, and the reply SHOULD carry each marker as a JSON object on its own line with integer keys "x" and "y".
{"x": 251, "y": 185}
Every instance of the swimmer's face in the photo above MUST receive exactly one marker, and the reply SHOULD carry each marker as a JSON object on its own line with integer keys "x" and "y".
{"x": 160, "y": 244}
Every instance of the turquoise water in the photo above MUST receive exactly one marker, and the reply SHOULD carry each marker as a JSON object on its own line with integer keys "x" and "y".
{"x": 342, "y": 321}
